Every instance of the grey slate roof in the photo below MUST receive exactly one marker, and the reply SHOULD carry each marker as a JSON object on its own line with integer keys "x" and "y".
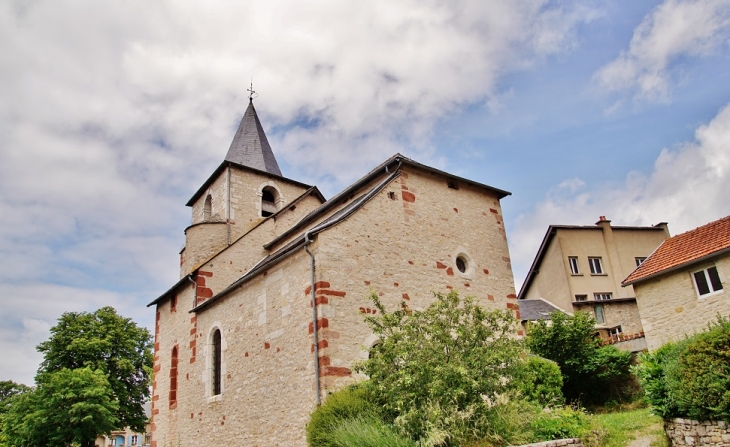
{"x": 539, "y": 309}
{"x": 250, "y": 146}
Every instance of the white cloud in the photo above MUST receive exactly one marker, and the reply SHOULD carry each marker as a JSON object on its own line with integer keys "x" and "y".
{"x": 688, "y": 187}
{"x": 673, "y": 30}
{"x": 112, "y": 114}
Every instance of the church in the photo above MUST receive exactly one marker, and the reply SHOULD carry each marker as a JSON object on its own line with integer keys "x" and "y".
{"x": 267, "y": 316}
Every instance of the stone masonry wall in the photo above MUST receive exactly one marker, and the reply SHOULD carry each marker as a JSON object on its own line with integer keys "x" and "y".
{"x": 670, "y": 307}
{"x": 402, "y": 245}
{"x": 231, "y": 263}
{"x": 697, "y": 433}
{"x": 626, "y": 314}
{"x": 206, "y": 239}
{"x": 267, "y": 366}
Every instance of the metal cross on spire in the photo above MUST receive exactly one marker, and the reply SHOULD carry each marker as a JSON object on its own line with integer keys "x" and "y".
{"x": 251, "y": 92}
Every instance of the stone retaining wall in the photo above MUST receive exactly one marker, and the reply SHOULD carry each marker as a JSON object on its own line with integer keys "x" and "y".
{"x": 574, "y": 442}
{"x": 697, "y": 433}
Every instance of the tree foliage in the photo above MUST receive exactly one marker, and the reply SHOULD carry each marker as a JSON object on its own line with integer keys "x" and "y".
{"x": 442, "y": 369}
{"x": 107, "y": 342}
{"x": 68, "y": 406}
{"x": 591, "y": 373}
{"x": 9, "y": 389}
{"x": 539, "y": 380}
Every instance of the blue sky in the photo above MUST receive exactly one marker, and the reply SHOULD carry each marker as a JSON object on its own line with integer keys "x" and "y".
{"x": 112, "y": 115}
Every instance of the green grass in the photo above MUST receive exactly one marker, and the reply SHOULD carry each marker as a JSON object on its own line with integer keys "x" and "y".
{"x": 626, "y": 426}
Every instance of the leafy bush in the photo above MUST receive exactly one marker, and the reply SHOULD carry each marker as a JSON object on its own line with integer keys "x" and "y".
{"x": 349, "y": 403}
{"x": 690, "y": 378}
{"x": 539, "y": 380}
{"x": 438, "y": 372}
{"x": 653, "y": 370}
{"x": 591, "y": 373}
{"x": 703, "y": 390}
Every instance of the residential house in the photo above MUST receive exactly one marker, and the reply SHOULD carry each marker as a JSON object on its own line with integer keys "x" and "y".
{"x": 580, "y": 268}
{"x": 681, "y": 287}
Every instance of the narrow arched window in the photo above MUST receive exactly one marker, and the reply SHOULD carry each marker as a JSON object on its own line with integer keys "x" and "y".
{"x": 269, "y": 197}
{"x": 207, "y": 207}
{"x": 173, "y": 377}
{"x": 216, "y": 370}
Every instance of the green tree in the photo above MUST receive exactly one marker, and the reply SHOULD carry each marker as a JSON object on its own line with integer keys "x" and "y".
{"x": 112, "y": 344}
{"x": 440, "y": 373}
{"x": 590, "y": 371}
{"x": 68, "y": 406}
{"x": 9, "y": 389}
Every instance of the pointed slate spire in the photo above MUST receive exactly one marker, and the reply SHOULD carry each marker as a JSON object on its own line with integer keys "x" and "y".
{"x": 250, "y": 146}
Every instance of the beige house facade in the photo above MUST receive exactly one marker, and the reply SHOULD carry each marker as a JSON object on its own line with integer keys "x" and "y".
{"x": 682, "y": 286}
{"x": 267, "y": 316}
{"x": 580, "y": 268}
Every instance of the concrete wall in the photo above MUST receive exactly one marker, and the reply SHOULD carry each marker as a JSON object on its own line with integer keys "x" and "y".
{"x": 617, "y": 247}
{"x": 402, "y": 245}
{"x": 671, "y": 309}
{"x": 552, "y": 282}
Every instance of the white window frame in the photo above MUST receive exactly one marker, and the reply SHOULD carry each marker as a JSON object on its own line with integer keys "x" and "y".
{"x": 603, "y": 296}
{"x": 615, "y": 332}
{"x": 573, "y": 263}
{"x": 581, "y": 297}
{"x": 596, "y": 265}
{"x": 639, "y": 260}
{"x": 710, "y": 286}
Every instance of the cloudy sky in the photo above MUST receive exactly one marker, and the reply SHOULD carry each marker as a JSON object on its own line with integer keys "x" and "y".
{"x": 113, "y": 113}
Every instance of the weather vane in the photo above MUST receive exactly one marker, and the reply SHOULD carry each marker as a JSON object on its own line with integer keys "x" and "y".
{"x": 251, "y": 92}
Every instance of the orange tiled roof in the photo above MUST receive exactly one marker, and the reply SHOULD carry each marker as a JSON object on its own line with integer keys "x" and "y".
{"x": 684, "y": 249}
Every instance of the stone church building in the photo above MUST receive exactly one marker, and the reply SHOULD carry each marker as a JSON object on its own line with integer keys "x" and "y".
{"x": 242, "y": 357}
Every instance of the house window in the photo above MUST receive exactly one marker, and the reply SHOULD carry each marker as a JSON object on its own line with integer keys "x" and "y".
{"x": 599, "y": 314}
{"x": 173, "y": 378}
{"x": 614, "y": 332}
{"x": 601, "y": 296}
{"x": 707, "y": 281}
{"x": 639, "y": 261}
{"x": 573, "y": 261}
{"x": 216, "y": 369}
{"x": 173, "y": 303}
{"x": 581, "y": 297}
{"x": 461, "y": 264}
{"x": 596, "y": 267}
{"x": 133, "y": 440}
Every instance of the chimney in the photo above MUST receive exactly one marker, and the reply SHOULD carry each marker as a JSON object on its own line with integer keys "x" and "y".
{"x": 603, "y": 220}
{"x": 665, "y": 227}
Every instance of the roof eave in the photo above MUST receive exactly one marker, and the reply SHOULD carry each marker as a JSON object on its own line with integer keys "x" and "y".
{"x": 227, "y": 163}
{"x": 676, "y": 267}
{"x": 171, "y": 290}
